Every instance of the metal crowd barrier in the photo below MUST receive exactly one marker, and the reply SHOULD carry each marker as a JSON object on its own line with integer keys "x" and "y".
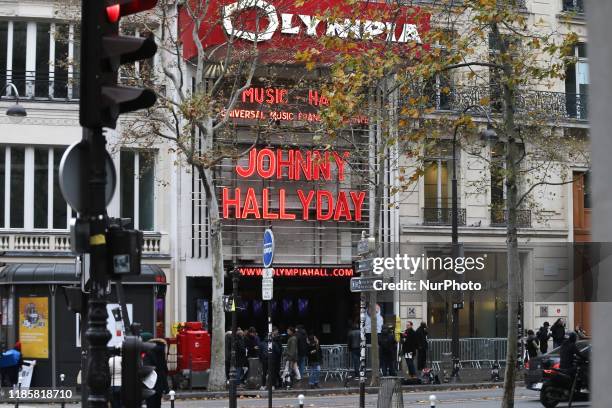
{"x": 475, "y": 352}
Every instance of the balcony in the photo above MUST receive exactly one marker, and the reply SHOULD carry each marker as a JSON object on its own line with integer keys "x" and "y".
{"x": 442, "y": 216}
{"x": 556, "y": 105}
{"x": 49, "y": 87}
{"x": 58, "y": 242}
{"x": 499, "y": 218}
{"x": 573, "y": 6}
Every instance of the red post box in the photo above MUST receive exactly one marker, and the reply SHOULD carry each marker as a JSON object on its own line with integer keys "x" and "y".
{"x": 193, "y": 347}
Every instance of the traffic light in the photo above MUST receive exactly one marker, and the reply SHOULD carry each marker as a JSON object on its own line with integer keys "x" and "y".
{"x": 103, "y": 50}
{"x": 133, "y": 372}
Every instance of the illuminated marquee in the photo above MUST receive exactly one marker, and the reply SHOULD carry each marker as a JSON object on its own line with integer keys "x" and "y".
{"x": 301, "y": 271}
{"x": 296, "y": 165}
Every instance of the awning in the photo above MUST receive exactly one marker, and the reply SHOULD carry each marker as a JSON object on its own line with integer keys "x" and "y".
{"x": 65, "y": 273}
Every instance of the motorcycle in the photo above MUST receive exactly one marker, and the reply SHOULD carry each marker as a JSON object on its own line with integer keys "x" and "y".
{"x": 565, "y": 386}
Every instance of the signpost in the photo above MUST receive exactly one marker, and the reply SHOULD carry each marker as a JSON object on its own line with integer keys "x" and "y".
{"x": 267, "y": 292}
{"x": 363, "y": 284}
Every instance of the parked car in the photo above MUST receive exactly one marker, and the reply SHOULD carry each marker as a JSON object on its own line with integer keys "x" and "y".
{"x": 535, "y": 369}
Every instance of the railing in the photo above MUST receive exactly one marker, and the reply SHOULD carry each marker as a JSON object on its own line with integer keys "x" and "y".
{"x": 557, "y": 105}
{"x": 59, "y": 86}
{"x": 477, "y": 352}
{"x": 573, "y": 6}
{"x": 442, "y": 216}
{"x": 499, "y": 218}
{"x": 59, "y": 242}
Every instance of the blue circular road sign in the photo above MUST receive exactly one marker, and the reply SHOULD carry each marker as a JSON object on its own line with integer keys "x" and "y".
{"x": 268, "y": 248}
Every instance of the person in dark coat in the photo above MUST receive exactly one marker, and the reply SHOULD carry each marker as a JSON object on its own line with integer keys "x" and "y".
{"x": 409, "y": 347}
{"x": 241, "y": 356}
{"x": 354, "y": 347}
{"x": 315, "y": 356}
{"x": 422, "y": 346}
{"x": 302, "y": 342}
{"x": 251, "y": 341}
{"x": 532, "y": 344}
{"x": 558, "y": 333}
{"x": 228, "y": 353}
{"x": 543, "y": 336}
{"x": 277, "y": 350}
{"x": 157, "y": 359}
{"x": 387, "y": 345}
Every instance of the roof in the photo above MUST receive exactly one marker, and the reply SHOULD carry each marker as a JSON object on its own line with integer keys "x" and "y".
{"x": 65, "y": 273}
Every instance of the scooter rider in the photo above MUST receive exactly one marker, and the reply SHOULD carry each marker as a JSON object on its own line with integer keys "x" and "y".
{"x": 568, "y": 352}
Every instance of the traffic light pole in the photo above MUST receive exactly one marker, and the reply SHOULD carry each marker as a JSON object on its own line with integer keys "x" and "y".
{"x": 270, "y": 368}
{"x": 97, "y": 335}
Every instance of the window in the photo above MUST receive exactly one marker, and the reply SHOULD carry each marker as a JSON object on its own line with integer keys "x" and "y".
{"x": 575, "y": 6}
{"x": 577, "y": 84}
{"x": 137, "y": 188}
{"x": 437, "y": 183}
{"x": 39, "y": 58}
{"x": 30, "y": 197}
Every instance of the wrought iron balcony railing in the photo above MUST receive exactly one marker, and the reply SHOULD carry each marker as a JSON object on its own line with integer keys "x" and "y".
{"x": 499, "y": 218}
{"x": 573, "y": 6}
{"x": 60, "y": 86}
{"x": 557, "y": 105}
{"x": 442, "y": 216}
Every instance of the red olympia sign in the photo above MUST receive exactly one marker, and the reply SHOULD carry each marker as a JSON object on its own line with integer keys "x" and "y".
{"x": 297, "y": 165}
{"x": 285, "y": 24}
{"x": 301, "y": 271}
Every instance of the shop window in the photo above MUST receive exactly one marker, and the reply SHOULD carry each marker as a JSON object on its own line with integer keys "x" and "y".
{"x": 137, "y": 188}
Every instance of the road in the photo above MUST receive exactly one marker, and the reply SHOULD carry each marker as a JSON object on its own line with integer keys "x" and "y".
{"x": 489, "y": 398}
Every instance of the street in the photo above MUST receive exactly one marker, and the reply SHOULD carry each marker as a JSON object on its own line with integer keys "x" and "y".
{"x": 488, "y": 398}
{"x": 485, "y": 398}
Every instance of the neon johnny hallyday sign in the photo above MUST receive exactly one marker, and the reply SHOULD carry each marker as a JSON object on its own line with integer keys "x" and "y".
{"x": 295, "y": 165}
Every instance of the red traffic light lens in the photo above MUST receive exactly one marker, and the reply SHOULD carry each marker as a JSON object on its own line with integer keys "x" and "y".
{"x": 113, "y": 13}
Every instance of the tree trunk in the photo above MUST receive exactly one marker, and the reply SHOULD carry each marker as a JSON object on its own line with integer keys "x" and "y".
{"x": 512, "y": 261}
{"x": 216, "y": 381}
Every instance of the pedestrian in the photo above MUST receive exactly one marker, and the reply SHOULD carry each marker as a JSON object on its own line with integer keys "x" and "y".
{"x": 532, "y": 344}
{"x": 302, "y": 339}
{"x": 242, "y": 362}
{"x": 277, "y": 357}
{"x": 115, "y": 368}
{"x": 10, "y": 373}
{"x": 291, "y": 357}
{"x": 543, "y": 337}
{"x": 558, "y": 333}
{"x": 228, "y": 354}
{"x": 251, "y": 342}
{"x": 368, "y": 324}
{"x": 422, "y": 346}
{"x": 387, "y": 346}
{"x": 580, "y": 333}
{"x": 354, "y": 347}
{"x": 157, "y": 358}
{"x": 314, "y": 361}
{"x": 277, "y": 348}
{"x": 409, "y": 348}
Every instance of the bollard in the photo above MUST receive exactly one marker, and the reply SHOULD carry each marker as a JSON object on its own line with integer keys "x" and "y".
{"x": 62, "y": 378}
{"x": 171, "y": 393}
{"x": 301, "y": 400}
{"x": 432, "y": 401}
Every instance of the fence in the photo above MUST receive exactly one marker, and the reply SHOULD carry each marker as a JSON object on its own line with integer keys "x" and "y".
{"x": 475, "y": 352}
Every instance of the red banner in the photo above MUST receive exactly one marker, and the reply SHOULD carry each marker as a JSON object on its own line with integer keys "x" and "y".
{"x": 286, "y": 25}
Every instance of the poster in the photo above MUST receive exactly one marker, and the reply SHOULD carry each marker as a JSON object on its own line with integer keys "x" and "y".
{"x": 114, "y": 324}
{"x": 202, "y": 313}
{"x": 34, "y": 326}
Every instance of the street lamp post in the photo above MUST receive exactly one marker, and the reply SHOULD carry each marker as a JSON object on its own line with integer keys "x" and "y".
{"x": 232, "y": 373}
{"x": 15, "y": 112}
{"x": 457, "y": 248}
